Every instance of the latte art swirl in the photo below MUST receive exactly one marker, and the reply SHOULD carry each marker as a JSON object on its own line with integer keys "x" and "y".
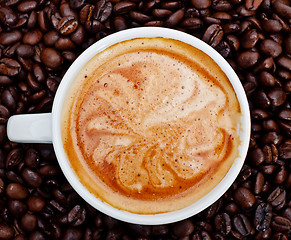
{"x": 153, "y": 125}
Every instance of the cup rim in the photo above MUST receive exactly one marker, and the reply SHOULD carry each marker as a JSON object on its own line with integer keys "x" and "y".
{"x": 160, "y": 218}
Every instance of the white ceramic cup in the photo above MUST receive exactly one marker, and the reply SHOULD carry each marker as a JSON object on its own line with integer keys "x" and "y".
{"x": 46, "y": 128}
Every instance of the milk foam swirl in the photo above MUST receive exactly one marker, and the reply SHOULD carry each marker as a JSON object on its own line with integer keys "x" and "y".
{"x": 151, "y": 125}
{"x": 153, "y": 121}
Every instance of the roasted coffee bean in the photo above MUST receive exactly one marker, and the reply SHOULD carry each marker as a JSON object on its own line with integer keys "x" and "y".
{"x": 248, "y": 58}
{"x": 25, "y": 51}
{"x": 270, "y": 48}
{"x": 284, "y": 62}
{"x": 33, "y": 83}
{"x": 123, "y": 7}
{"x": 267, "y": 64}
{"x": 272, "y": 138}
{"x": 3, "y": 134}
{"x": 256, "y": 156}
{"x": 66, "y": 11}
{"x": 200, "y": 4}
{"x": 159, "y": 230}
{"x": 263, "y": 216}
{"x": 277, "y": 198}
{"x": 8, "y": 16}
{"x": 171, "y": 5}
{"x": 285, "y": 150}
{"x": 284, "y": 10}
{"x": 28, "y": 222}
{"x": 285, "y": 114}
{"x": 37, "y": 235}
{"x": 32, "y": 20}
{"x": 192, "y": 23}
{"x": 77, "y": 4}
{"x": 249, "y": 38}
{"x": 224, "y": 49}
{"x": 200, "y": 235}
{"x": 5, "y": 81}
{"x": 281, "y": 176}
{"x": 103, "y": 10}
{"x": 55, "y": 20}
{"x": 174, "y": 19}
{"x": 161, "y": 13}
{"x": 233, "y": 41}
{"x": 261, "y": 99}
{"x": 279, "y": 236}
{"x": 50, "y": 38}
{"x": 51, "y": 58}
{"x": 69, "y": 56}
{"x": 287, "y": 213}
{"x": 9, "y": 51}
{"x": 37, "y": 97}
{"x": 17, "y": 208}
{"x": 31, "y": 158}
{"x": 65, "y": 43}
{"x": 267, "y": 79}
{"x": 16, "y": 191}
{"x": 139, "y": 17}
{"x": 213, "y": 35}
{"x": 14, "y": 158}
{"x": 93, "y": 26}
{"x": 120, "y": 23}
{"x": 213, "y": 209}
{"x": 35, "y": 203}
{"x": 49, "y": 170}
{"x": 32, "y": 37}
{"x": 52, "y": 84}
{"x": 222, "y": 223}
{"x": 6, "y": 231}
{"x": 272, "y": 25}
{"x": 72, "y": 233}
{"x": 281, "y": 224}
{"x": 67, "y": 25}
{"x": 154, "y": 24}
{"x": 79, "y": 35}
{"x": 86, "y": 13}
{"x": 264, "y": 235}
{"x": 183, "y": 228}
{"x": 223, "y": 16}
{"x": 57, "y": 206}
{"x": 26, "y": 6}
{"x": 285, "y": 126}
{"x": 31, "y": 177}
{"x": 232, "y": 208}
{"x": 259, "y": 184}
{"x": 39, "y": 72}
{"x": 277, "y": 96}
{"x": 9, "y": 67}
{"x": 77, "y": 215}
{"x": 4, "y": 114}
{"x": 243, "y": 225}
{"x": 253, "y": 4}
{"x": 8, "y": 38}
{"x": 14, "y": 177}
{"x": 244, "y": 197}
{"x": 43, "y": 21}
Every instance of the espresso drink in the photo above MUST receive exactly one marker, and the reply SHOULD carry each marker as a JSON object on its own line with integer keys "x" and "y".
{"x": 150, "y": 125}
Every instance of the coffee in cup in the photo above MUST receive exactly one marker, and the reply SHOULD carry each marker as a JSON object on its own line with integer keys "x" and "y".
{"x": 150, "y": 125}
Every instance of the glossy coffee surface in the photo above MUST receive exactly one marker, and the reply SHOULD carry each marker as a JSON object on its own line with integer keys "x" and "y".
{"x": 150, "y": 125}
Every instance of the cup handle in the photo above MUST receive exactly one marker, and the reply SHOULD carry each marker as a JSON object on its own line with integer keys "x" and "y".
{"x": 30, "y": 128}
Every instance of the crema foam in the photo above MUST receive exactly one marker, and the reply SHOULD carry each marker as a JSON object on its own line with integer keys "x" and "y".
{"x": 151, "y": 125}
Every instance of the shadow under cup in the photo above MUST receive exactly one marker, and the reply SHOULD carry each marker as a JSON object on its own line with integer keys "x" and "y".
{"x": 162, "y": 218}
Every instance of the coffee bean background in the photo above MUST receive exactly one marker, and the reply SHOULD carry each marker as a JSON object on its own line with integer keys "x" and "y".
{"x": 40, "y": 39}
